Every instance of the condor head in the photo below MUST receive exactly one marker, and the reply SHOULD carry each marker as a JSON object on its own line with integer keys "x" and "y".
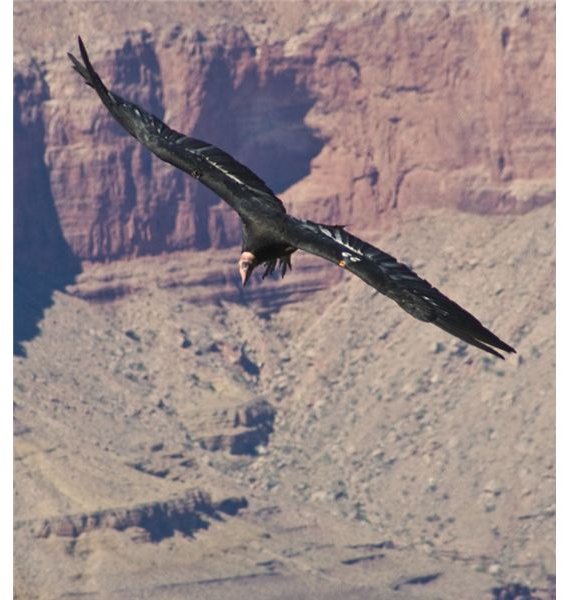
{"x": 246, "y": 265}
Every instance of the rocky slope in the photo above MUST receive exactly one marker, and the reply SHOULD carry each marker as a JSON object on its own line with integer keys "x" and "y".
{"x": 372, "y": 450}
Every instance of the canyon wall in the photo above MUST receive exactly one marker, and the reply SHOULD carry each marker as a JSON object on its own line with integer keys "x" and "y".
{"x": 351, "y": 112}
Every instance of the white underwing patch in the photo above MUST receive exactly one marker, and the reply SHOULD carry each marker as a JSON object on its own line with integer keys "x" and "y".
{"x": 230, "y": 175}
{"x": 350, "y": 257}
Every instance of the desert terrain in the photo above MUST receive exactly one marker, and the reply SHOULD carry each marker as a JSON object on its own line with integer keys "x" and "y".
{"x": 178, "y": 436}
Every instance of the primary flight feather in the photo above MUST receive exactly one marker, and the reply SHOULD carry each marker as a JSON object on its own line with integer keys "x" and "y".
{"x": 270, "y": 235}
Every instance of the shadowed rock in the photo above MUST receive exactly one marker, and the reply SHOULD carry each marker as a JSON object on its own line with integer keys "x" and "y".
{"x": 43, "y": 261}
{"x": 159, "y": 519}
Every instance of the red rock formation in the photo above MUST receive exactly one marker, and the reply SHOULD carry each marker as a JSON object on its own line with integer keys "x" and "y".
{"x": 38, "y": 239}
{"x": 351, "y": 114}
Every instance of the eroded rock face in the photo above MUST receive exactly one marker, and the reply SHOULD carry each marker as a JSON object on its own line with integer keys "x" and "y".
{"x": 113, "y": 197}
{"x": 157, "y": 520}
{"x": 350, "y": 116}
{"x": 43, "y": 260}
{"x": 240, "y": 430}
{"x": 38, "y": 238}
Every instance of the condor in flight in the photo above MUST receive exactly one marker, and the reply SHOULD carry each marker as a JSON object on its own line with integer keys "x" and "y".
{"x": 270, "y": 235}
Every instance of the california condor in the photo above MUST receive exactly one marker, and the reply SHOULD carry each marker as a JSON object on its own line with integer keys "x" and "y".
{"x": 270, "y": 235}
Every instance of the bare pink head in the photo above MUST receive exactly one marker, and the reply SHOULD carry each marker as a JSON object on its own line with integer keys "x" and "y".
{"x": 246, "y": 265}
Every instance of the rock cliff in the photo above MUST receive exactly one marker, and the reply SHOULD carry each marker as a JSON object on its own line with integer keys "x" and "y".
{"x": 350, "y": 114}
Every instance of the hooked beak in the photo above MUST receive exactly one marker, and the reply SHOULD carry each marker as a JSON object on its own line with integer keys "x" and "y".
{"x": 245, "y": 274}
{"x": 246, "y": 265}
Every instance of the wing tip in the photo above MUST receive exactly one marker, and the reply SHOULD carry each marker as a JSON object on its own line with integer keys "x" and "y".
{"x": 505, "y": 347}
{"x": 480, "y": 337}
{"x": 491, "y": 347}
{"x": 501, "y": 345}
{"x": 86, "y": 70}
{"x": 84, "y": 55}
{"x": 82, "y": 47}
{"x": 487, "y": 348}
{"x": 494, "y": 352}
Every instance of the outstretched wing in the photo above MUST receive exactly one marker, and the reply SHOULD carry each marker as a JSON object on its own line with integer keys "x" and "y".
{"x": 393, "y": 279}
{"x": 232, "y": 181}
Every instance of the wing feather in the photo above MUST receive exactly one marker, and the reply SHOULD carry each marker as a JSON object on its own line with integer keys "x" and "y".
{"x": 393, "y": 279}
{"x": 232, "y": 181}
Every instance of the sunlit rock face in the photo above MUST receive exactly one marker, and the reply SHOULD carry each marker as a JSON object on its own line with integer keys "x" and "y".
{"x": 351, "y": 116}
{"x": 113, "y": 197}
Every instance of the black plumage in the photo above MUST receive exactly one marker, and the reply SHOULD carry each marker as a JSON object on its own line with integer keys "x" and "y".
{"x": 270, "y": 235}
